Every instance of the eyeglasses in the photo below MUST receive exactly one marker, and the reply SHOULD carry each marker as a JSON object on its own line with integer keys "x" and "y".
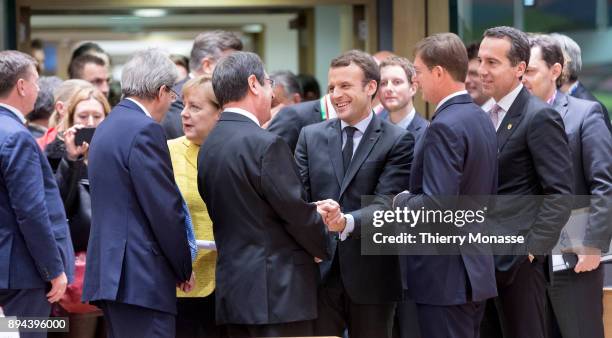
{"x": 173, "y": 94}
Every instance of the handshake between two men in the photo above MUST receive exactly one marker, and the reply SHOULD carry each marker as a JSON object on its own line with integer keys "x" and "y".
{"x": 332, "y": 217}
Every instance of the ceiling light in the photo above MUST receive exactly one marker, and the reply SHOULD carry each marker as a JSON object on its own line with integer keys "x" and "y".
{"x": 150, "y": 12}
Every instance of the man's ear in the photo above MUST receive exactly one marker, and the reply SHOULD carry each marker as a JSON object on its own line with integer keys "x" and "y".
{"x": 254, "y": 85}
{"x": 371, "y": 87}
{"x": 208, "y": 65}
{"x": 521, "y": 68}
{"x": 557, "y": 70}
{"x": 21, "y": 87}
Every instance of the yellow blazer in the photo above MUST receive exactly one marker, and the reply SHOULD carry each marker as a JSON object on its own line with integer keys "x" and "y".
{"x": 184, "y": 155}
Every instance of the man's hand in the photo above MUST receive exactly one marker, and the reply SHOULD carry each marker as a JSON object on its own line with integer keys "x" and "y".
{"x": 588, "y": 259}
{"x": 72, "y": 151}
{"x": 187, "y": 286}
{"x": 338, "y": 224}
{"x": 329, "y": 210}
{"x": 58, "y": 288}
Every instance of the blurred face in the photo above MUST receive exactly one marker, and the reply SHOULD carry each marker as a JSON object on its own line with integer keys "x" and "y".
{"x": 264, "y": 96}
{"x": 89, "y": 113}
{"x": 396, "y": 90}
{"x": 473, "y": 84}
{"x": 280, "y": 96}
{"x": 29, "y": 90}
{"x": 97, "y": 76}
{"x": 539, "y": 79}
{"x": 499, "y": 77}
{"x": 200, "y": 115}
{"x": 350, "y": 94}
{"x": 425, "y": 80}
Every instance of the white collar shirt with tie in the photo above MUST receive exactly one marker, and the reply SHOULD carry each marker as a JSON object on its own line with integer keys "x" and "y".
{"x": 500, "y": 108}
{"x": 361, "y": 127}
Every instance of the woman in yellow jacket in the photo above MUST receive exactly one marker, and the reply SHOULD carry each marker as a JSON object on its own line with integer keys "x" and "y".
{"x": 196, "y": 310}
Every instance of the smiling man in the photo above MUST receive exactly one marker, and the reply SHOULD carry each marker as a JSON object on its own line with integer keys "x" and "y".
{"x": 345, "y": 159}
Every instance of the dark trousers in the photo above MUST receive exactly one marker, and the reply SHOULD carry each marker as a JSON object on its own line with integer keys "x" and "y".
{"x": 577, "y": 304}
{"x": 292, "y": 329}
{"x": 195, "y": 318}
{"x": 521, "y": 304}
{"x": 338, "y": 312}
{"x": 130, "y": 321}
{"x": 451, "y": 321}
{"x": 405, "y": 321}
{"x": 25, "y": 303}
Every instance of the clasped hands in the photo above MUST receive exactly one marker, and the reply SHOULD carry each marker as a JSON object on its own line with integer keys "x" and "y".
{"x": 333, "y": 218}
{"x": 187, "y": 286}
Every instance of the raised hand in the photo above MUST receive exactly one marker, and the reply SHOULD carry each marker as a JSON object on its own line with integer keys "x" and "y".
{"x": 73, "y": 151}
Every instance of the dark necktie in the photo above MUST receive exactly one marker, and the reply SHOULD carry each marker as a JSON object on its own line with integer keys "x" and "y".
{"x": 347, "y": 151}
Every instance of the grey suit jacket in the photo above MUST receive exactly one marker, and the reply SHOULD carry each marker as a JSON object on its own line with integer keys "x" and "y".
{"x": 591, "y": 154}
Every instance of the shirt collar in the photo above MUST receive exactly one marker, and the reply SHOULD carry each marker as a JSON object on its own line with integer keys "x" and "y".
{"x": 141, "y": 107}
{"x": 572, "y": 88}
{"x": 508, "y": 100}
{"x": 488, "y": 105}
{"x": 405, "y": 122}
{"x": 15, "y": 111}
{"x": 243, "y": 113}
{"x": 551, "y": 100}
{"x": 361, "y": 125}
{"x": 461, "y": 92}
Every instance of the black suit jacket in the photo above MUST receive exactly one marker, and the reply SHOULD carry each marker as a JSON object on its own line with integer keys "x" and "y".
{"x": 416, "y": 127}
{"x": 381, "y": 167}
{"x": 534, "y": 159}
{"x": 456, "y": 157}
{"x": 267, "y": 234}
{"x": 172, "y": 122}
{"x": 582, "y": 93}
{"x": 591, "y": 147}
{"x": 290, "y": 120}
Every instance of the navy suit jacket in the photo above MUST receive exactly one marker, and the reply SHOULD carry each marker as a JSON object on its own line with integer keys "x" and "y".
{"x": 138, "y": 247}
{"x": 290, "y": 120}
{"x": 457, "y": 156}
{"x": 591, "y": 147}
{"x": 380, "y": 167}
{"x": 417, "y": 126}
{"x": 35, "y": 244}
{"x": 582, "y": 93}
{"x": 267, "y": 234}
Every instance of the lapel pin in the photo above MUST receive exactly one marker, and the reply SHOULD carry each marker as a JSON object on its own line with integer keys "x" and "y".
{"x": 509, "y": 126}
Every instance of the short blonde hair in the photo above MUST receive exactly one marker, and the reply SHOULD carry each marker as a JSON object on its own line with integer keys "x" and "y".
{"x": 204, "y": 82}
{"x": 84, "y": 94}
{"x": 63, "y": 93}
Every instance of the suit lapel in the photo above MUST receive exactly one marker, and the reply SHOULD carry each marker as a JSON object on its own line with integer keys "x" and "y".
{"x": 368, "y": 140}
{"x": 561, "y": 104}
{"x": 334, "y": 144}
{"x": 512, "y": 119}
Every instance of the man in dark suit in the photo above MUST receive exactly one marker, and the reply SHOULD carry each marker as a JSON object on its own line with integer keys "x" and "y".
{"x": 138, "y": 250}
{"x": 573, "y": 65}
{"x": 577, "y": 293}
{"x": 208, "y": 48}
{"x": 454, "y": 158}
{"x": 268, "y": 236}
{"x": 343, "y": 159}
{"x": 396, "y": 93}
{"x": 35, "y": 243}
{"x": 290, "y": 120}
{"x": 534, "y": 159}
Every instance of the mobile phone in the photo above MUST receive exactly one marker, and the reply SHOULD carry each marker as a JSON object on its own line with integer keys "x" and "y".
{"x": 83, "y": 135}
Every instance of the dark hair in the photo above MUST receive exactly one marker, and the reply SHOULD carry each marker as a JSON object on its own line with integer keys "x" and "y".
{"x": 309, "y": 84}
{"x": 445, "y": 50}
{"x": 402, "y": 62}
{"x": 14, "y": 65}
{"x": 212, "y": 44}
{"x": 36, "y": 44}
{"x": 75, "y": 69}
{"x": 549, "y": 50}
{"x": 86, "y": 48}
{"x": 364, "y": 61}
{"x": 472, "y": 50}
{"x": 288, "y": 80}
{"x": 519, "y": 43}
{"x": 180, "y": 60}
{"x": 230, "y": 77}
{"x": 45, "y": 101}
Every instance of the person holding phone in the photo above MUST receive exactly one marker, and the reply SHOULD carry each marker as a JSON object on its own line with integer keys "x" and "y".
{"x": 86, "y": 109}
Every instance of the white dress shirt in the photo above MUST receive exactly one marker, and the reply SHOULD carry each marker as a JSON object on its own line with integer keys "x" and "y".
{"x": 461, "y": 92}
{"x": 361, "y": 127}
{"x": 506, "y": 102}
{"x": 245, "y": 113}
{"x": 141, "y": 107}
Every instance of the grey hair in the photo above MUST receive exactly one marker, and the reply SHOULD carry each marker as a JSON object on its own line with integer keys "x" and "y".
{"x": 45, "y": 102}
{"x": 212, "y": 44}
{"x": 230, "y": 77}
{"x": 146, "y": 72}
{"x": 572, "y": 49}
{"x": 14, "y": 65}
{"x": 288, "y": 80}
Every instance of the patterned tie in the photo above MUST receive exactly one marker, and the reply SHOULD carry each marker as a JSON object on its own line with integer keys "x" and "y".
{"x": 347, "y": 151}
{"x": 494, "y": 115}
